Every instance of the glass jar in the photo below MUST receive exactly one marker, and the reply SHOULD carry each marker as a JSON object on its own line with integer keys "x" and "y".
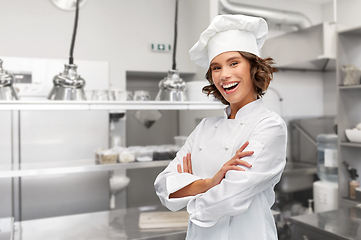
{"x": 327, "y": 167}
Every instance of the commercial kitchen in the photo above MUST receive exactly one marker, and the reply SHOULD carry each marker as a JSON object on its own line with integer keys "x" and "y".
{"x": 97, "y": 98}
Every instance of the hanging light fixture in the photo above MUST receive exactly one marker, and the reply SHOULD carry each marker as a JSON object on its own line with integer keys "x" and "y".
{"x": 68, "y": 5}
{"x": 68, "y": 85}
{"x": 172, "y": 87}
{"x": 7, "y": 91}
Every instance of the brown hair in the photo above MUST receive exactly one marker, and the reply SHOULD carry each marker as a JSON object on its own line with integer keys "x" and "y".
{"x": 262, "y": 70}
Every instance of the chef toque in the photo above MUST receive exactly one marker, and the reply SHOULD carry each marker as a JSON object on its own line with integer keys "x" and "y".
{"x": 229, "y": 33}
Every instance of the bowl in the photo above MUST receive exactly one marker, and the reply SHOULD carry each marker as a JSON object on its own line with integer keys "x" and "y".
{"x": 353, "y": 135}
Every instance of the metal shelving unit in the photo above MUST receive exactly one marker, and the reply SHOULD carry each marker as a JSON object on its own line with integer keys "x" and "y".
{"x": 349, "y": 114}
{"x": 108, "y": 105}
{"x": 77, "y": 166}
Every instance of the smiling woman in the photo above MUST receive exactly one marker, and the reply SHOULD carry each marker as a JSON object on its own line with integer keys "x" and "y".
{"x": 261, "y": 73}
{"x": 226, "y": 171}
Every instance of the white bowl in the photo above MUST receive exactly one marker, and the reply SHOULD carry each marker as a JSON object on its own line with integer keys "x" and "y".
{"x": 353, "y": 135}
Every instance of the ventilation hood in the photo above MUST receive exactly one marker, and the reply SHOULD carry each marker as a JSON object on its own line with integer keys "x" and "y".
{"x": 312, "y": 48}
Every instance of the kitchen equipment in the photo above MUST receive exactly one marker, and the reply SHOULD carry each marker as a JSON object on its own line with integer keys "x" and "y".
{"x": 353, "y": 135}
{"x": 172, "y": 87}
{"x": 69, "y": 85}
{"x": 68, "y": 5}
{"x": 7, "y": 91}
{"x": 351, "y": 75}
{"x": 297, "y": 176}
{"x": 325, "y": 196}
{"x": 327, "y": 168}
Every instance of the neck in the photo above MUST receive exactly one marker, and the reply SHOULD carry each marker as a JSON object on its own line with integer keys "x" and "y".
{"x": 235, "y": 107}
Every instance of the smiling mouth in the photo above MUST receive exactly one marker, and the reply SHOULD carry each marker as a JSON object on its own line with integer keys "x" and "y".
{"x": 230, "y": 86}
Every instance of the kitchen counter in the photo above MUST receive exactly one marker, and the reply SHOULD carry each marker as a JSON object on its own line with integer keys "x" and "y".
{"x": 119, "y": 224}
{"x": 338, "y": 224}
{"x": 122, "y": 224}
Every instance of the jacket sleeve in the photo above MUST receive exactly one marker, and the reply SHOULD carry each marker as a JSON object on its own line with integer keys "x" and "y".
{"x": 236, "y": 191}
{"x": 170, "y": 181}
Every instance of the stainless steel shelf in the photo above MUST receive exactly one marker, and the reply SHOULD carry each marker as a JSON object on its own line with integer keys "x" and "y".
{"x": 350, "y": 144}
{"x": 77, "y": 166}
{"x": 358, "y": 86}
{"x": 108, "y": 105}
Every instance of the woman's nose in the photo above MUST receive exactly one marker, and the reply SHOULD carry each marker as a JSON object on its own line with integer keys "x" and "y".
{"x": 225, "y": 74}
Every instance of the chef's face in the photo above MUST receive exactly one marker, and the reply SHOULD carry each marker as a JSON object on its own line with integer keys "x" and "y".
{"x": 231, "y": 74}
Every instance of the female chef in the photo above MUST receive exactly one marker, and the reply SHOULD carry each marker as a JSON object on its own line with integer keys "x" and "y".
{"x": 226, "y": 171}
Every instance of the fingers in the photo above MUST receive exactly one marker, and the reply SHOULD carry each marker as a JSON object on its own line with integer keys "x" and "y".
{"x": 243, "y": 146}
{"x": 244, "y": 154}
{"x": 179, "y": 168}
{"x": 232, "y": 167}
{"x": 189, "y": 163}
{"x": 243, "y": 163}
{"x": 185, "y": 164}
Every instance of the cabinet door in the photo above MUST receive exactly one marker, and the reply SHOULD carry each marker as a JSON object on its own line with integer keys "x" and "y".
{"x": 302, "y": 233}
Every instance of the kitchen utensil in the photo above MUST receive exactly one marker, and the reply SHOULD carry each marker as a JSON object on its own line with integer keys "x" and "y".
{"x": 7, "y": 91}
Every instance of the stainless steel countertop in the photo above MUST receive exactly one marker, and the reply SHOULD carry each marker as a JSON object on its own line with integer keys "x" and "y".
{"x": 118, "y": 224}
{"x": 341, "y": 224}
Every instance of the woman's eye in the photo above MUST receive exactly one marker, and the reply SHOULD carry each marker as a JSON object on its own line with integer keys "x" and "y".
{"x": 234, "y": 63}
{"x": 216, "y": 68}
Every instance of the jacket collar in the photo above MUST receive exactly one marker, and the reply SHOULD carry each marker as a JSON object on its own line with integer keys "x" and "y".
{"x": 246, "y": 111}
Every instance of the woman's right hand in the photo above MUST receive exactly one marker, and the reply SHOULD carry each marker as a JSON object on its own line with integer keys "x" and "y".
{"x": 232, "y": 165}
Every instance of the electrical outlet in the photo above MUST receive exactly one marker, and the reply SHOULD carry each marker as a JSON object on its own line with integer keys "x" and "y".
{"x": 160, "y": 47}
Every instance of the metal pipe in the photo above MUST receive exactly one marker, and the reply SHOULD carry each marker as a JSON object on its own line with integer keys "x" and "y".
{"x": 282, "y": 17}
{"x": 308, "y": 136}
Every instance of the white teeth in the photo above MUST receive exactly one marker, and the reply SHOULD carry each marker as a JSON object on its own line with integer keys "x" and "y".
{"x": 230, "y": 85}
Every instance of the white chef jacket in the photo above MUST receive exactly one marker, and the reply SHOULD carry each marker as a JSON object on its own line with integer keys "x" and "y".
{"x": 238, "y": 207}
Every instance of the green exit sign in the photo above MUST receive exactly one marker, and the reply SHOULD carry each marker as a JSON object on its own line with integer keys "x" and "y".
{"x": 161, "y": 47}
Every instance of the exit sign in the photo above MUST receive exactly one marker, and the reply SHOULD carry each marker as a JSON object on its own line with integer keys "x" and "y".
{"x": 161, "y": 47}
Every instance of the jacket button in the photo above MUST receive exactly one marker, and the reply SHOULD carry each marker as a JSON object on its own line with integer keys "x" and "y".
{"x": 226, "y": 147}
{"x": 242, "y": 123}
{"x": 200, "y": 148}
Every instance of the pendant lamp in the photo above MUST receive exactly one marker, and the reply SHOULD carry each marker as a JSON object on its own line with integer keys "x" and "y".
{"x": 7, "y": 91}
{"x": 68, "y": 85}
{"x": 172, "y": 87}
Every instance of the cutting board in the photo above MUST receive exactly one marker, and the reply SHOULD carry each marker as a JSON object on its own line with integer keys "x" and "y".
{"x": 150, "y": 220}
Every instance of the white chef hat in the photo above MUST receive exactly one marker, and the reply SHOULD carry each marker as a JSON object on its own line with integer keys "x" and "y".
{"x": 229, "y": 33}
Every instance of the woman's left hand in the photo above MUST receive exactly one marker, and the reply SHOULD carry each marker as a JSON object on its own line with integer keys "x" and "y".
{"x": 187, "y": 165}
